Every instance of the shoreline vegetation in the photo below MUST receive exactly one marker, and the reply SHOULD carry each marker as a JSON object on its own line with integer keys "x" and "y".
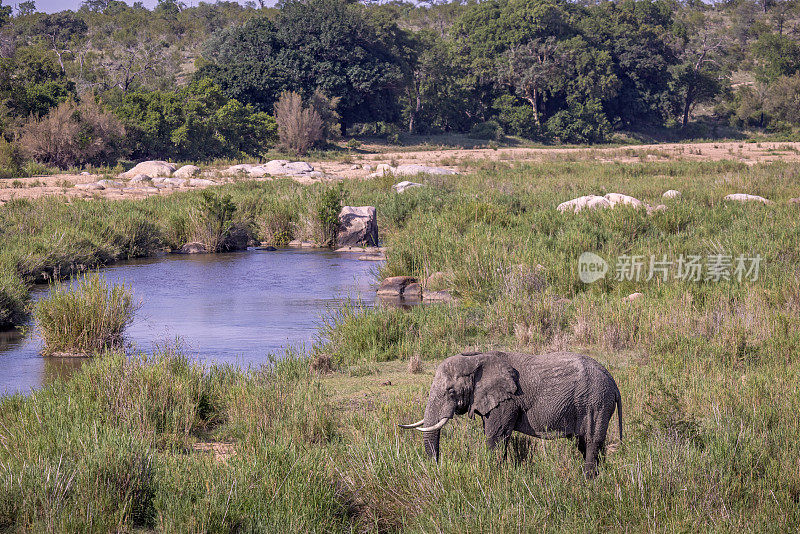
{"x": 708, "y": 370}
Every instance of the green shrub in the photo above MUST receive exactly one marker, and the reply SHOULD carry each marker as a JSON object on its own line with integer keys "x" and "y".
{"x": 13, "y": 299}
{"x": 328, "y": 206}
{"x": 489, "y": 130}
{"x": 10, "y": 159}
{"x": 581, "y": 123}
{"x": 213, "y": 222}
{"x": 87, "y": 318}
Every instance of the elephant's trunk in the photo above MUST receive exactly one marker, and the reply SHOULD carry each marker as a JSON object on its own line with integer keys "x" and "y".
{"x": 431, "y": 441}
{"x": 431, "y": 438}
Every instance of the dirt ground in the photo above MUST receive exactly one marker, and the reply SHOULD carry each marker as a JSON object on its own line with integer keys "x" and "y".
{"x": 62, "y": 185}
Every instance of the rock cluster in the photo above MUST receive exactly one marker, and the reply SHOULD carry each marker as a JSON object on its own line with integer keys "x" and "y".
{"x": 671, "y": 194}
{"x": 276, "y": 167}
{"x": 150, "y": 168}
{"x": 610, "y": 200}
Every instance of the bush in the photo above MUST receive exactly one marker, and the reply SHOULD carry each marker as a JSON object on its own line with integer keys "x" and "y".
{"x": 581, "y": 123}
{"x": 299, "y": 128}
{"x": 489, "y": 130}
{"x": 84, "y": 319}
{"x": 72, "y": 134}
{"x": 328, "y": 206}
{"x": 213, "y": 221}
{"x": 10, "y": 159}
{"x": 13, "y": 299}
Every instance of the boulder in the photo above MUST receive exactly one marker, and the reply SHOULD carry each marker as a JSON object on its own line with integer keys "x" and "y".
{"x": 743, "y": 197}
{"x": 413, "y": 290}
{"x": 372, "y": 257}
{"x": 140, "y": 179}
{"x": 150, "y": 168}
{"x": 653, "y": 209}
{"x": 671, "y": 194}
{"x": 193, "y": 248}
{"x": 113, "y": 184}
{"x": 357, "y": 226}
{"x": 634, "y": 296}
{"x": 619, "y": 198}
{"x": 402, "y": 186}
{"x": 586, "y": 202}
{"x": 200, "y": 182}
{"x": 187, "y": 171}
{"x": 299, "y": 167}
{"x": 91, "y": 186}
{"x": 610, "y": 200}
{"x": 395, "y": 286}
{"x": 176, "y": 182}
{"x": 350, "y": 249}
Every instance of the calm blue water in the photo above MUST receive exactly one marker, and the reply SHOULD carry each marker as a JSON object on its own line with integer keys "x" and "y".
{"x": 225, "y": 308}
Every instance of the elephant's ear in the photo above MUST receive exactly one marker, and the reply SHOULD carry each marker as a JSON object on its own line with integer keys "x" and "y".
{"x": 495, "y": 381}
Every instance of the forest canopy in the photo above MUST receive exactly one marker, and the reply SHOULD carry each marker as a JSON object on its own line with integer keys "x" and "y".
{"x": 202, "y": 82}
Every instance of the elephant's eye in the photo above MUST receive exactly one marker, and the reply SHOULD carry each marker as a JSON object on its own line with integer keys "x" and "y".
{"x": 451, "y": 391}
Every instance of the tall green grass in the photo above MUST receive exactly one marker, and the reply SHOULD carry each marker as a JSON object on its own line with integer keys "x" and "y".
{"x": 85, "y": 318}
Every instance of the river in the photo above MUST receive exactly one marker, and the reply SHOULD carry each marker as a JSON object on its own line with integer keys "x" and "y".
{"x": 235, "y": 308}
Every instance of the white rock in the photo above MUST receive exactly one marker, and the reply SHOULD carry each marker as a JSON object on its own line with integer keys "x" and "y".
{"x": 634, "y": 296}
{"x": 140, "y": 179}
{"x": 316, "y": 174}
{"x": 111, "y": 183}
{"x": 671, "y": 194}
{"x": 298, "y": 167}
{"x": 619, "y": 198}
{"x": 402, "y": 186}
{"x": 150, "y": 168}
{"x": 187, "y": 171}
{"x": 589, "y": 202}
{"x": 743, "y": 197}
{"x": 177, "y": 182}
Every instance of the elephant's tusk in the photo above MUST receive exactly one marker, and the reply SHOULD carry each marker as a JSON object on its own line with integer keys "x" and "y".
{"x": 413, "y": 425}
{"x": 437, "y": 426}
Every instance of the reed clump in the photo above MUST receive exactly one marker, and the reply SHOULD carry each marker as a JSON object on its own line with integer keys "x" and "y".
{"x": 84, "y": 318}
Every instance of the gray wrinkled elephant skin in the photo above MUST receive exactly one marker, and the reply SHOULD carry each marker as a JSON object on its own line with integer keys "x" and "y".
{"x": 548, "y": 396}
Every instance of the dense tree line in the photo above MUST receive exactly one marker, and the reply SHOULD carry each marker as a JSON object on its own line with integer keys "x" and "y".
{"x": 201, "y": 82}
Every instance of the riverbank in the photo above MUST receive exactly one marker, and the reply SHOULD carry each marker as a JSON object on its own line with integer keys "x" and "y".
{"x": 708, "y": 371}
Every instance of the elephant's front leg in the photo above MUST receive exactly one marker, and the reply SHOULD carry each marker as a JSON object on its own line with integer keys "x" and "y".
{"x": 498, "y": 425}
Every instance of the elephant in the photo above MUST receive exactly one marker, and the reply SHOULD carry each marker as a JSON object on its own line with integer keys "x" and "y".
{"x": 560, "y": 394}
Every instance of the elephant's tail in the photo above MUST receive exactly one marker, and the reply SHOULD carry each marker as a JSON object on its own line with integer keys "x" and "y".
{"x": 619, "y": 414}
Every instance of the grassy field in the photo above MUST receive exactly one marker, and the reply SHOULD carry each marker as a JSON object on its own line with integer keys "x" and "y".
{"x": 708, "y": 370}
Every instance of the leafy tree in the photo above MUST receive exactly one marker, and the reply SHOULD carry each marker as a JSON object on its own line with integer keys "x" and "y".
{"x": 777, "y": 56}
{"x": 59, "y": 31}
{"x": 328, "y": 45}
{"x": 532, "y": 70}
{"x": 26, "y": 8}
{"x": 196, "y": 122}
{"x": 698, "y": 77}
